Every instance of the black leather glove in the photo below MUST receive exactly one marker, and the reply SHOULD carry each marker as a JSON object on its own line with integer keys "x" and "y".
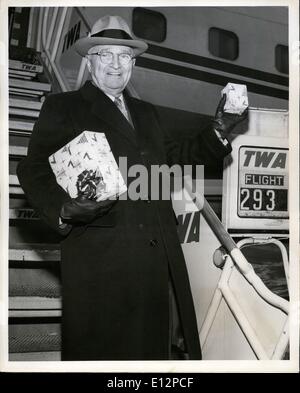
{"x": 82, "y": 210}
{"x": 225, "y": 122}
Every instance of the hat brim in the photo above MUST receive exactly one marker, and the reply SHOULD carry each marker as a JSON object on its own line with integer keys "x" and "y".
{"x": 83, "y": 45}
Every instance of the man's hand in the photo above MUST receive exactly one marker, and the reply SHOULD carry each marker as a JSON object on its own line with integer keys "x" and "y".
{"x": 82, "y": 210}
{"x": 225, "y": 122}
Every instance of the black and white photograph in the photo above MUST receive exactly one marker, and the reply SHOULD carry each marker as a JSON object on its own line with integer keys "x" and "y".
{"x": 150, "y": 187}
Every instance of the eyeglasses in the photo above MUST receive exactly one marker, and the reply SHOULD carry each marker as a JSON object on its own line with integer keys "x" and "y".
{"x": 107, "y": 57}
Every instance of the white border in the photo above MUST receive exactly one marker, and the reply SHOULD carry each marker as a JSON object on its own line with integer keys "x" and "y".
{"x": 287, "y": 366}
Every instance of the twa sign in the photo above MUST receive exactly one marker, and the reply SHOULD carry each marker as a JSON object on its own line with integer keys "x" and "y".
{"x": 263, "y": 182}
{"x": 255, "y": 200}
{"x": 263, "y": 158}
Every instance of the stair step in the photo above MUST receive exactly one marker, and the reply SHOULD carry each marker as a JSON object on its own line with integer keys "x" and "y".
{"x": 23, "y": 77}
{"x": 31, "y": 313}
{"x": 53, "y": 356}
{"x": 30, "y": 85}
{"x": 14, "y": 186}
{"x": 16, "y": 103}
{"x": 36, "y": 255}
{"x": 28, "y": 281}
{"x": 18, "y": 133}
{"x": 23, "y": 112}
{"x": 21, "y": 73}
{"x": 18, "y": 151}
{"x": 34, "y": 303}
{"x": 26, "y": 92}
{"x": 13, "y": 180}
{"x": 23, "y": 214}
{"x": 34, "y": 337}
{"x": 21, "y": 125}
{"x": 20, "y": 65}
{"x": 31, "y": 306}
{"x": 15, "y": 190}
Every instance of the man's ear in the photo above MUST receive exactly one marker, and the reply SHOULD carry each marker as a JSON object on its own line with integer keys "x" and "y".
{"x": 133, "y": 62}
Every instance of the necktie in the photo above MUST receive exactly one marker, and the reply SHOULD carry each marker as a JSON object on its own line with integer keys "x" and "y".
{"x": 119, "y": 103}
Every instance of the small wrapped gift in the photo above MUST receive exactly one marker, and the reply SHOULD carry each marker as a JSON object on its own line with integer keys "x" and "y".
{"x": 86, "y": 166}
{"x": 236, "y": 98}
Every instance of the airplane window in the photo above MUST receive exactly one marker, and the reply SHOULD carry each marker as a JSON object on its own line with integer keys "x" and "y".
{"x": 282, "y": 58}
{"x": 149, "y": 25}
{"x": 223, "y": 43}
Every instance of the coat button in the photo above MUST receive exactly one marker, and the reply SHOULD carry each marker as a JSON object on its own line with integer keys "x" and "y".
{"x": 153, "y": 242}
{"x": 146, "y": 200}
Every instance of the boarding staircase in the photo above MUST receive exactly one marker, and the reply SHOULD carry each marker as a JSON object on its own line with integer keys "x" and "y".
{"x": 34, "y": 285}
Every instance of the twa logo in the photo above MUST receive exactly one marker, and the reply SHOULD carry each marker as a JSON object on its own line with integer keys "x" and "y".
{"x": 189, "y": 227}
{"x": 263, "y": 158}
{"x": 72, "y": 35}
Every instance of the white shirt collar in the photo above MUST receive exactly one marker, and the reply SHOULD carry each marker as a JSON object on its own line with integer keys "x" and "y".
{"x": 113, "y": 98}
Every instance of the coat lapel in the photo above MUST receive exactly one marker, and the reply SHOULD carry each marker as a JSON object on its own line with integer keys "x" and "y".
{"x": 142, "y": 120}
{"x": 103, "y": 108}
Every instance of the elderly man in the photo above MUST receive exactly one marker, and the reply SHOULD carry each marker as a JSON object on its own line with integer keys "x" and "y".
{"x": 125, "y": 287}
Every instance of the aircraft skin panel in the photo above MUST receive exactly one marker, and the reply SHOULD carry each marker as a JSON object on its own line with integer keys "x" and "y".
{"x": 187, "y": 30}
{"x": 169, "y": 93}
{"x": 203, "y": 274}
{"x": 277, "y": 15}
{"x": 182, "y": 62}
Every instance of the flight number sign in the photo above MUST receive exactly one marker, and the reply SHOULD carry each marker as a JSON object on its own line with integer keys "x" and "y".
{"x": 263, "y": 182}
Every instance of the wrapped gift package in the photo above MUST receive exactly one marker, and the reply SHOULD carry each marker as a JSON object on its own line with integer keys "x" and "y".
{"x": 86, "y": 166}
{"x": 236, "y": 98}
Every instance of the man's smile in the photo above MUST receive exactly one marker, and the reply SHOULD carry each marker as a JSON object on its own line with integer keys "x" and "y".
{"x": 114, "y": 73}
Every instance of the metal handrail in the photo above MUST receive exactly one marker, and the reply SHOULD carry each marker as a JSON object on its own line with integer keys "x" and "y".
{"x": 83, "y": 61}
{"x": 39, "y": 35}
{"x": 270, "y": 240}
{"x": 59, "y": 33}
{"x": 223, "y": 291}
{"x": 237, "y": 311}
{"x": 55, "y": 46}
{"x": 233, "y": 259}
{"x": 52, "y": 25}
{"x": 81, "y": 73}
{"x": 226, "y": 240}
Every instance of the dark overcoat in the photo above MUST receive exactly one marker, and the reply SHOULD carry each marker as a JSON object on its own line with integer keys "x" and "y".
{"x": 115, "y": 270}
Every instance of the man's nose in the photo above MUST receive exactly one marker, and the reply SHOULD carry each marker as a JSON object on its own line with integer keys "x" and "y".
{"x": 115, "y": 61}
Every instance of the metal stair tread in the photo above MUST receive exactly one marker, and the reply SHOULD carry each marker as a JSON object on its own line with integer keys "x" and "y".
{"x": 34, "y": 303}
{"x": 21, "y": 65}
{"x": 21, "y": 125}
{"x": 34, "y": 255}
{"x": 31, "y": 85}
{"x": 24, "y": 112}
{"x": 29, "y": 104}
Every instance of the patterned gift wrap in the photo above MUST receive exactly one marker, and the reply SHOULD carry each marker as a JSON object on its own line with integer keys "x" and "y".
{"x": 236, "y": 98}
{"x": 86, "y": 166}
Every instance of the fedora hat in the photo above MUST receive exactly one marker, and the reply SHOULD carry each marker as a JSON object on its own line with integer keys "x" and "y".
{"x": 110, "y": 30}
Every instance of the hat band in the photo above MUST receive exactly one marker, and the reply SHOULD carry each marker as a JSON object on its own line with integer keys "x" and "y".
{"x": 113, "y": 33}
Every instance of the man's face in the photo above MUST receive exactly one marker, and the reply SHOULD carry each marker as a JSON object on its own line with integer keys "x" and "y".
{"x": 113, "y": 77}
